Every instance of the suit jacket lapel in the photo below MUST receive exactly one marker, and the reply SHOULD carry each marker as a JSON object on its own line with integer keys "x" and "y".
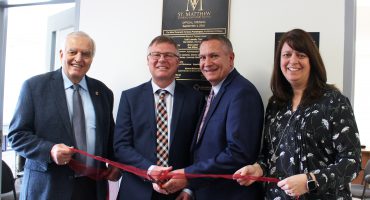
{"x": 177, "y": 109}
{"x": 217, "y": 99}
{"x": 57, "y": 90}
{"x": 148, "y": 101}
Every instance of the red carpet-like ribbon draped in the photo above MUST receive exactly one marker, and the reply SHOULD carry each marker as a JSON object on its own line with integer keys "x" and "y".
{"x": 99, "y": 174}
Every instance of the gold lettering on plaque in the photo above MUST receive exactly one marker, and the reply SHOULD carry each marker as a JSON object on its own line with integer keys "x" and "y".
{"x": 194, "y": 4}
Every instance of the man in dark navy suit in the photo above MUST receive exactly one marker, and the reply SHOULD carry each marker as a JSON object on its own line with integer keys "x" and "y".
{"x": 42, "y": 130}
{"x": 136, "y": 137}
{"x": 229, "y": 134}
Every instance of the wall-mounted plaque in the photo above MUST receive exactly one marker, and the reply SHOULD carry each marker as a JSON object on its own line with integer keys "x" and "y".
{"x": 188, "y": 22}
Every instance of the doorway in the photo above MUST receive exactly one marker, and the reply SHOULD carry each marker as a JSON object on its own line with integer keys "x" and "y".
{"x": 28, "y": 52}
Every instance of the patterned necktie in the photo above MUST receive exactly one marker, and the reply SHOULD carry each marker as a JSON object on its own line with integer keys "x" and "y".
{"x": 209, "y": 100}
{"x": 78, "y": 122}
{"x": 162, "y": 130}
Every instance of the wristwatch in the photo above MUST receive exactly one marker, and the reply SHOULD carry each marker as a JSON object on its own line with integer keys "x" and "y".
{"x": 311, "y": 184}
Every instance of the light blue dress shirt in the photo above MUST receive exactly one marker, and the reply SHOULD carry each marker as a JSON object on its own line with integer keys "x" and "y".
{"x": 88, "y": 110}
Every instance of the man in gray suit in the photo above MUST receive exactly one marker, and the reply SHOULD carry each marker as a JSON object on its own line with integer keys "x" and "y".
{"x": 42, "y": 129}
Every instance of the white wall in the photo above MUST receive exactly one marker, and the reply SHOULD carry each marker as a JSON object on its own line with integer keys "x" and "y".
{"x": 123, "y": 30}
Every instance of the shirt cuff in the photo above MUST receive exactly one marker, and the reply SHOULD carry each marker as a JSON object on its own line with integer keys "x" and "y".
{"x": 150, "y": 169}
{"x": 187, "y": 190}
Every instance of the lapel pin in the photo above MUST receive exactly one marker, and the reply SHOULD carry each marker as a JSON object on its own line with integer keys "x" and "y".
{"x": 97, "y": 93}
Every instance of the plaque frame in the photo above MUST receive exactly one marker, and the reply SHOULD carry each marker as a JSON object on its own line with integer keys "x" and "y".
{"x": 188, "y": 22}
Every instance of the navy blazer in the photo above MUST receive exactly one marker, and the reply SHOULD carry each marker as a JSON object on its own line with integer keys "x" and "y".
{"x": 41, "y": 120}
{"x": 230, "y": 139}
{"x": 135, "y": 134}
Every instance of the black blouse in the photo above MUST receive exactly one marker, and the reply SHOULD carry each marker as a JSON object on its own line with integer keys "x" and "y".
{"x": 321, "y": 138}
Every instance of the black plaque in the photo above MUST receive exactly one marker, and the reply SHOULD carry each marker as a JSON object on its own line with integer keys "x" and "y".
{"x": 188, "y": 22}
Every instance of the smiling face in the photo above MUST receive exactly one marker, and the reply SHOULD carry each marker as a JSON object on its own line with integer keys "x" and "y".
{"x": 163, "y": 63}
{"x": 76, "y": 57}
{"x": 216, "y": 60}
{"x": 295, "y": 66}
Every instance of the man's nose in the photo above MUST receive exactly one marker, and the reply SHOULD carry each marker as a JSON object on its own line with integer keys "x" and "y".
{"x": 78, "y": 57}
{"x": 207, "y": 61}
{"x": 162, "y": 57}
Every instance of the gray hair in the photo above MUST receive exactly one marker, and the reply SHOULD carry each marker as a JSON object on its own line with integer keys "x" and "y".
{"x": 224, "y": 40}
{"x": 81, "y": 34}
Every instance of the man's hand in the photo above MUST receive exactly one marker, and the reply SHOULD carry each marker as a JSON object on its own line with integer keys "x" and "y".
{"x": 61, "y": 154}
{"x": 112, "y": 173}
{"x": 184, "y": 196}
{"x": 177, "y": 182}
{"x": 159, "y": 189}
{"x": 249, "y": 170}
{"x": 158, "y": 173}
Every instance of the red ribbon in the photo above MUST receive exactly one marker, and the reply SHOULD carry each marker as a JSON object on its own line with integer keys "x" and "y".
{"x": 99, "y": 174}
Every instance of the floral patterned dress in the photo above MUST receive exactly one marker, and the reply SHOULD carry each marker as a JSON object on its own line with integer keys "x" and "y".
{"x": 321, "y": 138}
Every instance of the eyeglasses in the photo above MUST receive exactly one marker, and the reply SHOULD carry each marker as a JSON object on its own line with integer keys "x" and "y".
{"x": 166, "y": 55}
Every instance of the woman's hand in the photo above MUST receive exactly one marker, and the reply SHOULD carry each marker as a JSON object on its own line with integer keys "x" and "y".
{"x": 295, "y": 185}
{"x": 249, "y": 170}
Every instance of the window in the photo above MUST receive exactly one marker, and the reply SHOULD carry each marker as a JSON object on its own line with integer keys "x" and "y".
{"x": 26, "y": 56}
{"x": 25, "y": 50}
{"x": 362, "y": 80}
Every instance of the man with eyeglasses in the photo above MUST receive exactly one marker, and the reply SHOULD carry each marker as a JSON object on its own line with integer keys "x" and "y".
{"x": 155, "y": 124}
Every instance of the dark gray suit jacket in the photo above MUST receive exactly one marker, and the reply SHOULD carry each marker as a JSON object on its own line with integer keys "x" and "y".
{"x": 41, "y": 120}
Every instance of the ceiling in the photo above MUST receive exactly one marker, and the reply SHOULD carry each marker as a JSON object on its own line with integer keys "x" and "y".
{"x": 13, "y": 3}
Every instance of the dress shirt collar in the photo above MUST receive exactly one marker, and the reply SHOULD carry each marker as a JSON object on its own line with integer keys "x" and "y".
{"x": 68, "y": 83}
{"x": 170, "y": 88}
{"x": 217, "y": 87}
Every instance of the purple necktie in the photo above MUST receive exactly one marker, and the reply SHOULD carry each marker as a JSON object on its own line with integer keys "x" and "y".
{"x": 209, "y": 100}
